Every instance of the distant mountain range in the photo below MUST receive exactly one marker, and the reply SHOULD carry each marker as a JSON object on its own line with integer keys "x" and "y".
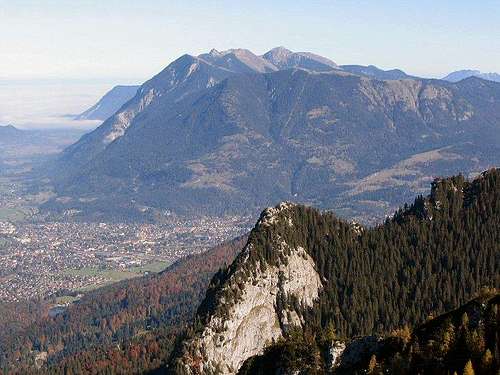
{"x": 462, "y": 74}
{"x": 230, "y": 132}
{"x": 109, "y": 103}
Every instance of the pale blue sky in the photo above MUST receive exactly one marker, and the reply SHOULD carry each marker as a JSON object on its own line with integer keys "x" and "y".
{"x": 132, "y": 40}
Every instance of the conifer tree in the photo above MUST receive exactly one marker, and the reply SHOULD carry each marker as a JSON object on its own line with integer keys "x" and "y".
{"x": 486, "y": 361}
{"x": 468, "y": 369}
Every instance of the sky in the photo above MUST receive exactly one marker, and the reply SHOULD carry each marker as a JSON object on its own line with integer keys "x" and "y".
{"x": 95, "y": 44}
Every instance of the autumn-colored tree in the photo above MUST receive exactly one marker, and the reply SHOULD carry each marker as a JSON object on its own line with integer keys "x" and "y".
{"x": 465, "y": 321}
{"x": 486, "y": 361}
{"x": 447, "y": 339}
{"x": 468, "y": 369}
{"x": 372, "y": 365}
{"x": 403, "y": 333}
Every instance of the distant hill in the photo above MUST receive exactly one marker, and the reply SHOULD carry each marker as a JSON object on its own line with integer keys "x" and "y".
{"x": 9, "y": 133}
{"x": 374, "y": 72}
{"x": 462, "y": 74}
{"x": 9, "y": 130}
{"x": 111, "y": 102}
{"x": 220, "y": 133}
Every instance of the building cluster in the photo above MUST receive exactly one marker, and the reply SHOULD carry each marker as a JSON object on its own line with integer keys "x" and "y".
{"x": 7, "y": 228}
{"x": 38, "y": 260}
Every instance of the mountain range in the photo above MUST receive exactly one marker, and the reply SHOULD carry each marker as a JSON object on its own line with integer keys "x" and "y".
{"x": 231, "y": 132}
{"x": 281, "y": 58}
{"x": 463, "y": 74}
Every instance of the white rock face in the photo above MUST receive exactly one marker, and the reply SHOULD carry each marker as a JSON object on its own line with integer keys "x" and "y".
{"x": 122, "y": 120}
{"x": 254, "y": 321}
{"x": 335, "y": 351}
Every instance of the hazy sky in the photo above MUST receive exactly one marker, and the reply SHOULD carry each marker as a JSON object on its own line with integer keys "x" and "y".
{"x": 132, "y": 40}
{"x": 59, "y": 57}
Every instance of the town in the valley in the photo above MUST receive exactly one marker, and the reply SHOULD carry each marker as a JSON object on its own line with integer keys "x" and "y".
{"x": 39, "y": 260}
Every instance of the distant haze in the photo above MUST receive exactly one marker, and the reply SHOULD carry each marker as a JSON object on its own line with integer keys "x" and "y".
{"x": 46, "y": 103}
{"x": 78, "y": 49}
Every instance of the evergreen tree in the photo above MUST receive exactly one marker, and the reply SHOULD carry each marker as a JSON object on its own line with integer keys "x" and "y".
{"x": 468, "y": 369}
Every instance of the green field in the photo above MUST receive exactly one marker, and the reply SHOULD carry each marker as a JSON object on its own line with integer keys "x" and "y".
{"x": 154, "y": 267}
{"x": 65, "y": 300}
{"x": 112, "y": 275}
{"x": 115, "y": 275}
{"x": 4, "y": 242}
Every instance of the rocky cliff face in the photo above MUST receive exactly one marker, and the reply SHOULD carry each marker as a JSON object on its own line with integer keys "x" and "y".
{"x": 247, "y": 313}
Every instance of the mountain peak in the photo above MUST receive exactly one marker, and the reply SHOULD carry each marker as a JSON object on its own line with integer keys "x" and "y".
{"x": 9, "y": 132}
{"x": 214, "y": 52}
{"x": 238, "y": 60}
{"x": 283, "y": 58}
{"x": 466, "y": 73}
{"x": 11, "y": 129}
{"x": 278, "y": 52}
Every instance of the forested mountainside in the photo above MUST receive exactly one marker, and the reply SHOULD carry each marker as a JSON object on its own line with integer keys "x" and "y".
{"x": 128, "y": 327}
{"x": 310, "y": 271}
{"x": 463, "y": 341}
{"x": 231, "y": 132}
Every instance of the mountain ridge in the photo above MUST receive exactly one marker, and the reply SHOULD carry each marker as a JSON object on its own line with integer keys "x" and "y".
{"x": 373, "y": 71}
{"x": 110, "y": 102}
{"x": 466, "y": 73}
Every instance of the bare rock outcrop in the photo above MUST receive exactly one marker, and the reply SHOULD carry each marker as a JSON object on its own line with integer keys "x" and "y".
{"x": 248, "y": 315}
